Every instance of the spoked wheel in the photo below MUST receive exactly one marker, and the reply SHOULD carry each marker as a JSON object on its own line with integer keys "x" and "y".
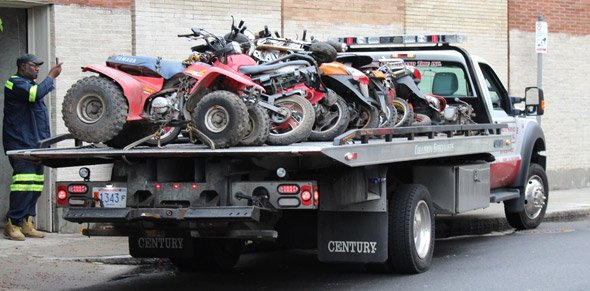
{"x": 221, "y": 116}
{"x": 297, "y": 127}
{"x": 258, "y": 131}
{"x": 411, "y": 231}
{"x": 211, "y": 255}
{"x": 405, "y": 113}
{"x": 95, "y": 109}
{"x": 330, "y": 121}
{"x": 536, "y": 195}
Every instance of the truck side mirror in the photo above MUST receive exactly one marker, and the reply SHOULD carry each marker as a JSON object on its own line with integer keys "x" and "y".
{"x": 534, "y": 101}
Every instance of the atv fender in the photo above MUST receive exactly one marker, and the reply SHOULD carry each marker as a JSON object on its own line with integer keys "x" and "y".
{"x": 136, "y": 89}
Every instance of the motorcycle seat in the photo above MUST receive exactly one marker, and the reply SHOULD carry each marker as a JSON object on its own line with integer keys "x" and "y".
{"x": 253, "y": 70}
{"x": 146, "y": 66}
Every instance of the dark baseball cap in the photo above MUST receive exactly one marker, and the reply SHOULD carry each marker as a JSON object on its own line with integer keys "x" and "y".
{"x": 26, "y": 58}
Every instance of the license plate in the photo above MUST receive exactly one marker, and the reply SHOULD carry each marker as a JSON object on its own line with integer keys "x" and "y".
{"x": 111, "y": 197}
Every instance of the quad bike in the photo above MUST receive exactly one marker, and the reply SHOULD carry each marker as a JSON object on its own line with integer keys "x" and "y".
{"x": 295, "y": 72}
{"x": 136, "y": 98}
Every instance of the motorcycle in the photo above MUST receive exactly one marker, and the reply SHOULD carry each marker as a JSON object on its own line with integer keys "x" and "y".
{"x": 135, "y": 97}
{"x": 296, "y": 72}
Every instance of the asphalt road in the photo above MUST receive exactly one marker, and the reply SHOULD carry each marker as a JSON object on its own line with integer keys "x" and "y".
{"x": 555, "y": 256}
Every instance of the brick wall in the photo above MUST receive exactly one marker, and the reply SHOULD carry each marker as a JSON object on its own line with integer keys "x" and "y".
{"x": 483, "y": 22}
{"x": 97, "y": 3}
{"x": 325, "y": 19}
{"x": 158, "y": 22}
{"x": 564, "y": 83}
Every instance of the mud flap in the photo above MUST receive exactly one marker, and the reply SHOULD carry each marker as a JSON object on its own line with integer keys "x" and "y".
{"x": 161, "y": 245}
{"x": 359, "y": 237}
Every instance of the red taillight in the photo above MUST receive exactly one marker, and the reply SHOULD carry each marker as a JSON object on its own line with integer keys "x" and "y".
{"x": 77, "y": 188}
{"x": 62, "y": 195}
{"x": 288, "y": 189}
{"x": 306, "y": 195}
{"x": 158, "y": 186}
{"x": 316, "y": 196}
{"x": 175, "y": 186}
{"x": 194, "y": 186}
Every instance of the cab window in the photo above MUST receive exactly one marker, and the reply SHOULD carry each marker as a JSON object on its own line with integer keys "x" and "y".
{"x": 447, "y": 79}
{"x": 498, "y": 94}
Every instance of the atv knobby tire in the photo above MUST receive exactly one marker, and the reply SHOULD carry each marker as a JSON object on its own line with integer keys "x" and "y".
{"x": 95, "y": 109}
{"x": 221, "y": 116}
{"x": 257, "y": 131}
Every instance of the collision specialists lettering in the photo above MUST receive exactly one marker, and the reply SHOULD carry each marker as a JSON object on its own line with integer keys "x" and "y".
{"x": 160, "y": 242}
{"x": 361, "y": 247}
{"x": 434, "y": 148}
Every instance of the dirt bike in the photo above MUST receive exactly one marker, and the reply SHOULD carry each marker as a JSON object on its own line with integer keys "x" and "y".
{"x": 135, "y": 98}
{"x": 298, "y": 72}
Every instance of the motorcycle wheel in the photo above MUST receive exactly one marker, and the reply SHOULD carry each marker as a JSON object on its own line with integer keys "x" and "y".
{"x": 421, "y": 120}
{"x": 387, "y": 117}
{"x": 258, "y": 131}
{"x": 368, "y": 118}
{"x": 132, "y": 132}
{"x": 299, "y": 124}
{"x": 405, "y": 114}
{"x": 168, "y": 135}
{"x": 95, "y": 109}
{"x": 221, "y": 116}
{"x": 323, "y": 52}
{"x": 331, "y": 120}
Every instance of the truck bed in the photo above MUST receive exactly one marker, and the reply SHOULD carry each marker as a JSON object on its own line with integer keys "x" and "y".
{"x": 353, "y": 148}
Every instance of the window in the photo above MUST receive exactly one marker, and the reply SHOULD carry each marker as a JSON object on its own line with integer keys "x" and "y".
{"x": 447, "y": 79}
{"x": 498, "y": 94}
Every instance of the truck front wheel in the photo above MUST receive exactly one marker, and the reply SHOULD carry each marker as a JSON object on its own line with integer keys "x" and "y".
{"x": 536, "y": 193}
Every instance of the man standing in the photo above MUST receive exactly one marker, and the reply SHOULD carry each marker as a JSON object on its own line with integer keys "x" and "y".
{"x": 26, "y": 122}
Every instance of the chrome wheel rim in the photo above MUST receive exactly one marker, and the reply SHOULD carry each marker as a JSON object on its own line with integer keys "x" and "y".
{"x": 90, "y": 109}
{"x": 216, "y": 119}
{"x": 422, "y": 229}
{"x": 534, "y": 197}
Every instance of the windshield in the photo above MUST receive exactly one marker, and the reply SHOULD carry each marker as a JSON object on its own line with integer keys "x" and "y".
{"x": 446, "y": 79}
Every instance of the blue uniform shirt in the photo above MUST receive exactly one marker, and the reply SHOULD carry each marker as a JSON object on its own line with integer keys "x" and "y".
{"x": 26, "y": 120}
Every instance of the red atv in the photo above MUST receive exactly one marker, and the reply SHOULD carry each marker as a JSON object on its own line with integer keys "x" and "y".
{"x": 134, "y": 98}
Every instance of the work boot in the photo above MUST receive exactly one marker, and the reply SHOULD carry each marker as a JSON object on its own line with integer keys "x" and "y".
{"x": 12, "y": 231}
{"x": 29, "y": 230}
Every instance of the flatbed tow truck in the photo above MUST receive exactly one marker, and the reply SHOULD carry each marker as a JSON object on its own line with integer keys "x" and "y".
{"x": 371, "y": 196}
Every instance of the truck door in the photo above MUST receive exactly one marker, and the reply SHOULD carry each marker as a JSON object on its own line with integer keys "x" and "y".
{"x": 504, "y": 170}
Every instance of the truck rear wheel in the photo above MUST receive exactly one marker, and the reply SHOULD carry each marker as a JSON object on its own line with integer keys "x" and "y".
{"x": 211, "y": 255}
{"x": 411, "y": 231}
{"x": 536, "y": 195}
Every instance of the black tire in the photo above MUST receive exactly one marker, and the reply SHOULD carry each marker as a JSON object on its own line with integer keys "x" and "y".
{"x": 132, "y": 132}
{"x": 388, "y": 117}
{"x": 211, "y": 255}
{"x": 258, "y": 130}
{"x": 297, "y": 127}
{"x": 331, "y": 120}
{"x": 421, "y": 120}
{"x": 408, "y": 204}
{"x": 368, "y": 118}
{"x": 405, "y": 114}
{"x": 323, "y": 52}
{"x": 536, "y": 197}
{"x": 221, "y": 116}
{"x": 168, "y": 135}
{"x": 95, "y": 109}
